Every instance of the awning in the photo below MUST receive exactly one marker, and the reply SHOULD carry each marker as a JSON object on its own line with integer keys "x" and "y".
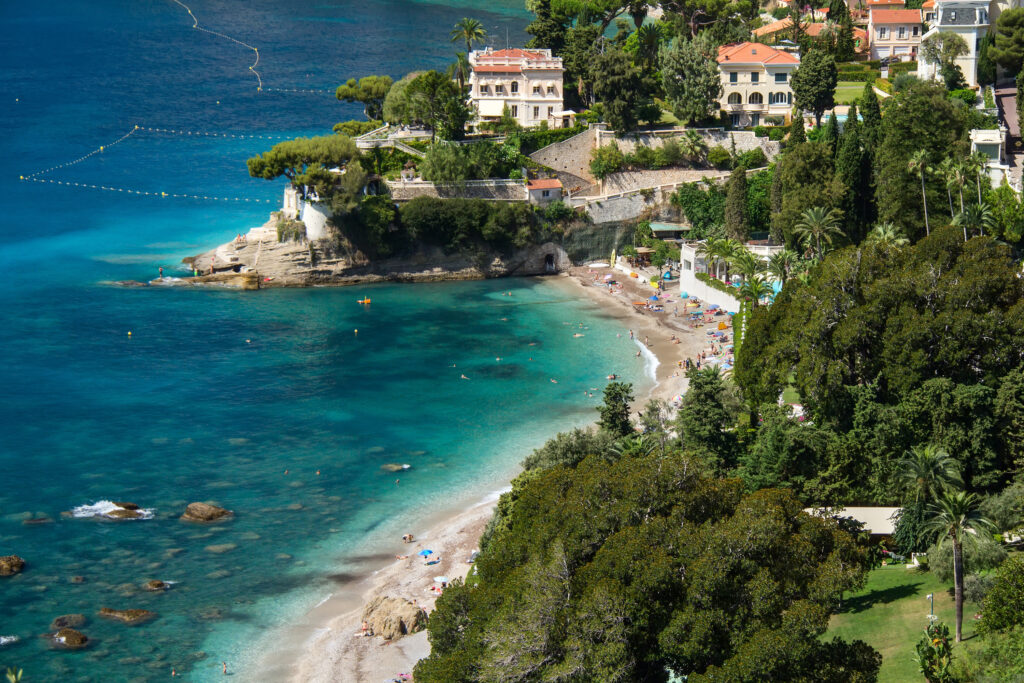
{"x": 491, "y": 107}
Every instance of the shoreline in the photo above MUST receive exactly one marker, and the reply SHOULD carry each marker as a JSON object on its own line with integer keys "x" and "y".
{"x": 331, "y": 650}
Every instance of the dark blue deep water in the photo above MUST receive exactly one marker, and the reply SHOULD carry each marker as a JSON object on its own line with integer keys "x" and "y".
{"x": 215, "y": 394}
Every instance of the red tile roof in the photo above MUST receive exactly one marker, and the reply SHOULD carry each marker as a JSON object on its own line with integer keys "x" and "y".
{"x": 498, "y": 68}
{"x": 774, "y": 27}
{"x": 545, "y": 184}
{"x": 754, "y": 53}
{"x": 885, "y": 3}
{"x": 929, "y": 4}
{"x": 513, "y": 53}
{"x": 896, "y": 16}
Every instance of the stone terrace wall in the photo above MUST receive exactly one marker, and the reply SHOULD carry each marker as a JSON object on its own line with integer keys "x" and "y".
{"x": 632, "y": 180}
{"x": 570, "y": 157}
{"x": 493, "y": 190}
{"x": 745, "y": 139}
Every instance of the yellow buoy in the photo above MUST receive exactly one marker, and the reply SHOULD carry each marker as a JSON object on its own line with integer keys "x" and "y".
{"x": 101, "y": 148}
{"x": 129, "y": 333}
{"x": 357, "y": 331}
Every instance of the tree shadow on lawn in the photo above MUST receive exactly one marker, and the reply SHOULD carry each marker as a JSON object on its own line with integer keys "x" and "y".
{"x": 884, "y": 596}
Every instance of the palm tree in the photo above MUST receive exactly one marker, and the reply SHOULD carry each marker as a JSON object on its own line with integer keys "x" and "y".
{"x": 469, "y": 30}
{"x": 976, "y": 163}
{"x": 817, "y": 224}
{"x": 954, "y": 517}
{"x": 746, "y": 264}
{"x": 958, "y": 176}
{"x": 709, "y": 249}
{"x": 692, "y": 146}
{"x": 919, "y": 163}
{"x": 781, "y": 263}
{"x": 634, "y": 445}
{"x": 927, "y": 471}
{"x": 730, "y": 249}
{"x": 975, "y": 217}
{"x": 459, "y": 69}
{"x": 756, "y": 289}
{"x": 888, "y": 235}
{"x": 945, "y": 171}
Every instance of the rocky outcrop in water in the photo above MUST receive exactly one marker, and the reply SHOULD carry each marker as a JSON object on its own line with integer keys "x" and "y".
{"x": 204, "y": 512}
{"x": 393, "y": 618}
{"x": 11, "y": 565}
{"x": 70, "y": 639}
{"x": 156, "y": 585}
{"x": 128, "y": 616}
{"x": 68, "y": 621}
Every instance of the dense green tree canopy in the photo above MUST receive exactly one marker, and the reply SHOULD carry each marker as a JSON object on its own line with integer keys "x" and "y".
{"x": 631, "y": 568}
{"x": 1008, "y": 50}
{"x": 618, "y": 86}
{"x": 814, "y": 83}
{"x": 303, "y": 160}
{"x": 691, "y": 79}
{"x": 437, "y": 101}
{"x": 370, "y": 90}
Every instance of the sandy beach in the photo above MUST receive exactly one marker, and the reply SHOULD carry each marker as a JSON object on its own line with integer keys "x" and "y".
{"x": 338, "y": 651}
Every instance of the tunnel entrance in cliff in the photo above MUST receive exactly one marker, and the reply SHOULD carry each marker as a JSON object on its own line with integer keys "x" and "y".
{"x": 549, "y": 263}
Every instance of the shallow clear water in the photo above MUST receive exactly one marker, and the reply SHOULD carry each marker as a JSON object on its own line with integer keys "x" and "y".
{"x": 216, "y": 394}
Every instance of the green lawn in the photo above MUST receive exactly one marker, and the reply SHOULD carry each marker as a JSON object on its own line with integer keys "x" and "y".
{"x": 890, "y": 614}
{"x": 847, "y": 92}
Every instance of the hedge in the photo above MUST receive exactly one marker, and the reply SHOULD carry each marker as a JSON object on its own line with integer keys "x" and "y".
{"x": 901, "y": 68}
{"x": 718, "y": 284}
{"x": 859, "y": 75}
{"x": 884, "y": 85}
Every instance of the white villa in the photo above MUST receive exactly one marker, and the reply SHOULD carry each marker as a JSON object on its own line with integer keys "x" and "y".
{"x": 967, "y": 18}
{"x": 691, "y": 262}
{"x": 528, "y": 82}
{"x": 755, "y": 82}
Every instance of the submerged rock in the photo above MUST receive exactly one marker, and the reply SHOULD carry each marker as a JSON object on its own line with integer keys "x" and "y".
{"x": 11, "y": 565}
{"x": 128, "y": 616}
{"x": 221, "y": 548}
{"x": 394, "y": 467}
{"x": 70, "y": 639}
{"x": 393, "y": 618}
{"x": 68, "y": 621}
{"x": 156, "y": 585}
{"x": 204, "y": 512}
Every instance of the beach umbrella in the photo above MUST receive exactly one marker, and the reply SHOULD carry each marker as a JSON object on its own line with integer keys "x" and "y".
{"x": 713, "y": 307}
{"x": 684, "y": 295}
{"x": 653, "y": 298}
{"x": 442, "y": 579}
{"x": 608, "y": 276}
{"x": 425, "y": 553}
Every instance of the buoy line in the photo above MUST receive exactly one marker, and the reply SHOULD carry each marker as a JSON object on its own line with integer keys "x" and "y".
{"x": 201, "y": 133}
{"x": 252, "y": 67}
{"x": 36, "y": 177}
{"x": 303, "y": 91}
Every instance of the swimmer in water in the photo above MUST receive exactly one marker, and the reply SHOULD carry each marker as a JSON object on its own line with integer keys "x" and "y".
{"x": 464, "y": 377}
{"x": 554, "y": 381}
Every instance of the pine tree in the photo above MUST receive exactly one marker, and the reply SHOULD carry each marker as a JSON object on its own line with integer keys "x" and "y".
{"x": 872, "y": 115}
{"x": 831, "y": 133}
{"x": 796, "y": 131}
{"x": 736, "y": 226}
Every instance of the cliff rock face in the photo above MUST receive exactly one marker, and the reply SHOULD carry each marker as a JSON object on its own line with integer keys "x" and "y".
{"x": 11, "y": 565}
{"x": 393, "y": 618}
{"x": 204, "y": 512}
{"x": 264, "y": 262}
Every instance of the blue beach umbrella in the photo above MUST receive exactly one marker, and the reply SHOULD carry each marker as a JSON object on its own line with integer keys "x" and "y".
{"x": 713, "y": 307}
{"x": 425, "y": 553}
{"x": 685, "y": 295}
{"x": 653, "y": 298}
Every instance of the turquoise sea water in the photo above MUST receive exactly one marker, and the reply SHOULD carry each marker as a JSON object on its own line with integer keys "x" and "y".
{"x": 216, "y": 394}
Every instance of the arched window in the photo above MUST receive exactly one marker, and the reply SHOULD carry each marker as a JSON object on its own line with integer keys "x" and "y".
{"x": 515, "y": 87}
{"x": 735, "y": 98}
{"x": 755, "y": 98}
{"x": 777, "y": 98}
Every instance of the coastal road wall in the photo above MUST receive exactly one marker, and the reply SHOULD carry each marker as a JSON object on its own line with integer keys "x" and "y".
{"x": 705, "y": 292}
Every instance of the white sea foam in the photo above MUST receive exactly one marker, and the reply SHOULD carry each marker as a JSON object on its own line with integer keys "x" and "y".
{"x": 650, "y": 361}
{"x": 103, "y": 508}
{"x": 7, "y": 640}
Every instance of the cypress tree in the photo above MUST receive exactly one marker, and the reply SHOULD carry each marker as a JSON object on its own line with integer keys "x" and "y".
{"x": 872, "y": 115}
{"x": 831, "y": 133}
{"x": 736, "y": 205}
{"x": 853, "y": 169}
{"x": 775, "y": 200}
{"x": 851, "y": 121}
{"x": 796, "y": 131}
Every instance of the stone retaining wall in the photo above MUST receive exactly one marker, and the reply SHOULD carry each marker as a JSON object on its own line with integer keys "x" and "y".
{"x": 496, "y": 190}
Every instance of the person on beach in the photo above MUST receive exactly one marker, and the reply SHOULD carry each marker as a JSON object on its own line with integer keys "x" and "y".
{"x": 631, "y": 334}
{"x": 225, "y": 668}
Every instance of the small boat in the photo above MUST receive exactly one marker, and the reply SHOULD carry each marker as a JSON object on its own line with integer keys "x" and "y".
{"x": 363, "y": 301}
